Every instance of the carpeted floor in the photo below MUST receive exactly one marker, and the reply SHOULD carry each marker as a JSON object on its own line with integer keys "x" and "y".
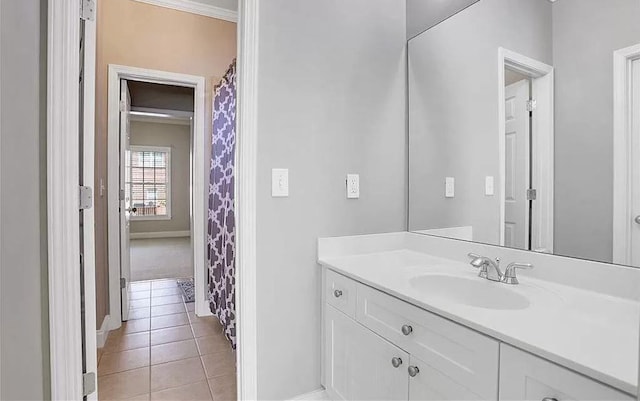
{"x": 158, "y": 258}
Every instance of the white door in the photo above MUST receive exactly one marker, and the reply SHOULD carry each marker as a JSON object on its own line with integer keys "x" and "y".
{"x": 428, "y": 383}
{"x": 87, "y": 216}
{"x": 125, "y": 196}
{"x": 516, "y": 176}
{"x": 635, "y": 173}
{"x": 360, "y": 364}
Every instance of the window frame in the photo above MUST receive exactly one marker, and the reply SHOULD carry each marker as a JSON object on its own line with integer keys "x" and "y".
{"x": 146, "y": 148}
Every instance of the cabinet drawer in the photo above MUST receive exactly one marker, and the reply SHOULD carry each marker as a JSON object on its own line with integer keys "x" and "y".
{"x": 340, "y": 292}
{"x": 527, "y": 377}
{"x": 467, "y": 358}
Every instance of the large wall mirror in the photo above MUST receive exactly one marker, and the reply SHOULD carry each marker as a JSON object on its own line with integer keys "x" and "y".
{"x": 524, "y": 127}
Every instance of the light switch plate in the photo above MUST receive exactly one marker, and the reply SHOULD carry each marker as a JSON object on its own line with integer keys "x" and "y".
{"x": 488, "y": 185}
{"x": 279, "y": 182}
{"x": 353, "y": 186}
{"x": 449, "y": 187}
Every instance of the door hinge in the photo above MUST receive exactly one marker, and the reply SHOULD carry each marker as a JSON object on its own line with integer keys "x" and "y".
{"x": 122, "y": 194}
{"x": 532, "y": 194}
{"x": 123, "y": 283}
{"x": 88, "y": 10}
{"x": 531, "y": 104}
{"x": 86, "y": 197}
{"x": 88, "y": 383}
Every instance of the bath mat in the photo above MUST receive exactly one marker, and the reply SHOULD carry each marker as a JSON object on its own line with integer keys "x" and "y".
{"x": 188, "y": 292}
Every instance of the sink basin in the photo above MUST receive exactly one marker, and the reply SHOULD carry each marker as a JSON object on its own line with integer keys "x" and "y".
{"x": 476, "y": 292}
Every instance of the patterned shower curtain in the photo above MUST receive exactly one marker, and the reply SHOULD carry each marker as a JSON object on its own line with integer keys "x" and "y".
{"x": 221, "y": 250}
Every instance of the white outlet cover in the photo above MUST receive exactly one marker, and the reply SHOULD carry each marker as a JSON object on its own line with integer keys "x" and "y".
{"x": 489, "y": 185}
{"x": 449, "y": 187}
{"x": 279, "y": 182}
{"x": 353, "y": 186}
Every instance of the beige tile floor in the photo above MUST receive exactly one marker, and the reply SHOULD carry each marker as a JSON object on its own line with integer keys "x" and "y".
{"x": 166, "y": 352}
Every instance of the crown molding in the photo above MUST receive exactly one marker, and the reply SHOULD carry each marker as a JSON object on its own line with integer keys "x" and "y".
{"x": 196, "y": 8}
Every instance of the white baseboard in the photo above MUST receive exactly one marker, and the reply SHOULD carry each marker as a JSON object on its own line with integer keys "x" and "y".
{"x": 317, "y": 395}
{"x": 160, "y": 234}
{"x": 103, "y": 333}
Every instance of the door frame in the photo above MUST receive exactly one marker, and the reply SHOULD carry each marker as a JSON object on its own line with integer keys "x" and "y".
{"x": 198, "y": 234}
{"x": 623, "y": 152}
{"x": 542, "y": 132}
{"x": 246, "y": 185}
{"x": 62, "y": 198}
{"x": 63, "y": 223}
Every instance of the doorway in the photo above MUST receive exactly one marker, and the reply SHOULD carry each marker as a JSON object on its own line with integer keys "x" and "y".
{"x": 526, "y": 152}
{"x": 626, "y": 156}
{"x": 146, "y": 204}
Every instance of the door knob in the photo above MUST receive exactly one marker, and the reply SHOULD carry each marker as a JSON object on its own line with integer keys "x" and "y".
{"x": 549, "y": 399}
{"x": 406, "y": 329}
{"x": 413, "y": 371}
{"x": 337, "y": 293}
{"x": 637, "y": 219}
{"x": 396, "y": 362}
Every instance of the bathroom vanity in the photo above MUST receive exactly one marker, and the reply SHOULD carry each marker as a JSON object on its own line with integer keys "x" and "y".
{"x": 402, "y": 322}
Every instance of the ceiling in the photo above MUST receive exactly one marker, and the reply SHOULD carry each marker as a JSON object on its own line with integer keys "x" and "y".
{"x": 226, "y": 4}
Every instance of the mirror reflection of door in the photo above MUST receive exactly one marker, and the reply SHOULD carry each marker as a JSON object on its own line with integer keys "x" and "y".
{"x": 517, "y": 161}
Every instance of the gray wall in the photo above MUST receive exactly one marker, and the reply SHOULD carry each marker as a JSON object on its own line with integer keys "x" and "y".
{"x": 453, "y": 110}
{"x": 423, "y": 14}
{"x": 178, "y": 138}
{"x": 24, "y": 335}
{"x": 586, "y": 33}
{"x": 331, "y": 102}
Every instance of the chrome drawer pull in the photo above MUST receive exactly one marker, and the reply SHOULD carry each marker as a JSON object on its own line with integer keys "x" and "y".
{"x": 406, "y": 329}
{"x": 549, "y": 399}
{"x": 396, "y": 362}
{"x": 337, "y": 293}
{"x": 413, "y": 371}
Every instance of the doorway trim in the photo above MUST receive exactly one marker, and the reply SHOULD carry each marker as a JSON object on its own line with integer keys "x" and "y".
{"x": 115, "y": 74}
{"x": 542, "y": 133}
{"x": 246, "y": 204}
{"x": 623, "y": 126}
{"x": 63, "y": 223}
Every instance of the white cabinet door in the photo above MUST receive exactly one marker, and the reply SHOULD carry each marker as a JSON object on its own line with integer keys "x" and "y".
{"x": 358, "y": 362}
{"x": 429, "y": 383}
{"x": 527, "y": 377}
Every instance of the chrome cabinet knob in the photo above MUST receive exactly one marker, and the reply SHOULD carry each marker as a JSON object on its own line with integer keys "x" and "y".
{"x": 413, "y": 371}
{"x": 396, "y": 362}
{"x": 406, "y": 329}
{"x": 637, "y": 219}
{"x": 549, "y": 399}
{"x": 337, "y": 293}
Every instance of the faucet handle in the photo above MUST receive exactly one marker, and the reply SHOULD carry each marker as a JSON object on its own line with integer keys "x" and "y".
{"x": 510, "y": 273}
{"x": 472, "y": 255}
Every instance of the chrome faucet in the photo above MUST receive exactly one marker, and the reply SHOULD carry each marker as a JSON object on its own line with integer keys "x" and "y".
{"x": 510, "y": 273}
{"x": 489, "y": 269}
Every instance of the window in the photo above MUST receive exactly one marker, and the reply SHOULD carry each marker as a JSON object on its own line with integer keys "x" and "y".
{"x": 148, "y": 181}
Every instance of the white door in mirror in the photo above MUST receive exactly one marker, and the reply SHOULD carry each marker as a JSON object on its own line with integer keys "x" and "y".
{"x": 353, "y": 186}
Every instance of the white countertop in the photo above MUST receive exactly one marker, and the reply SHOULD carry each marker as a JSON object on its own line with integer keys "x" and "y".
{"x": 589, "y": 332}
